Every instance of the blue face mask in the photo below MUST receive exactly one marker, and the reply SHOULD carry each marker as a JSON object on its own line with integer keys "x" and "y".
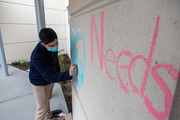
{"x": 53, "y": 49}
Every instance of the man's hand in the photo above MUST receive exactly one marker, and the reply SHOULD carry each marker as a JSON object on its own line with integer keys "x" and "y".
{"x": 71, "y": 69}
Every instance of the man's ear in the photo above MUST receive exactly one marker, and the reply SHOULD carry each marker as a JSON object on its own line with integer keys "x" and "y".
{"x": 43, "y": 44}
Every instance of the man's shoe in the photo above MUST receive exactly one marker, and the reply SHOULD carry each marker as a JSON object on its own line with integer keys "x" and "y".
{"x": 56, "y": 111}
{"x": 54, "y": 116}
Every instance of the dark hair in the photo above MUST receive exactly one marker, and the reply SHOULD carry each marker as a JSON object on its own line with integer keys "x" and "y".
{"x": 47, "y": 35}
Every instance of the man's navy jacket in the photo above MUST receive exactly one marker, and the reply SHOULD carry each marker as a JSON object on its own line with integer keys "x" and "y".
{"x": 44, "y": 67}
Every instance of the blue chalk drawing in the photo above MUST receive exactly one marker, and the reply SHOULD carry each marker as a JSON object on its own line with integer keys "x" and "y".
{"x": 77, "y": 36}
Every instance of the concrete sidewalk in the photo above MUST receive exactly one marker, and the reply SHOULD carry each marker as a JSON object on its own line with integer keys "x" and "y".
{"x": 17, "y": 101}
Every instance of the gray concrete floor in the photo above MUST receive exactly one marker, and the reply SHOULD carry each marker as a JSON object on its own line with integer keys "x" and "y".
{"x": 17, "y": 101}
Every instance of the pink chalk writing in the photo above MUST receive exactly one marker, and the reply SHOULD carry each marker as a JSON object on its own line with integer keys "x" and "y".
{"x": 127, "y": 53}
{"x": 161, "y": 83}
{"x": 168, "y": 97}
{"x": 113, "y": 61}
{"x": 148, "y": 62}
{"x": 100, "y": 50}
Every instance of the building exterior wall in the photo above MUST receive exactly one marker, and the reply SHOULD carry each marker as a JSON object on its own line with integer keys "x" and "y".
{"x": 19, "y": 30}
{"x": 127, "y": 54}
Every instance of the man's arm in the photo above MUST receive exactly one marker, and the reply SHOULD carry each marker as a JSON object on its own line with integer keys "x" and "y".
{"x": 45, "y": 69}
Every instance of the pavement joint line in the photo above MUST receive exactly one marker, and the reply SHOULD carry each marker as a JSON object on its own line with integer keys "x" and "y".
{"x": 15, "y": 98}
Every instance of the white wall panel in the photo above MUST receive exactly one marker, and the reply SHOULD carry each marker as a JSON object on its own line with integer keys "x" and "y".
{"x": 20, "y": 51}
{"x": 25, "y": 2}
{"x": 19, "y": 14}
{"x": 54, "y": 4}
{"x": 54, "y": 16}
{"x": 15, "y": 33}
{"x": 63, "y": 45}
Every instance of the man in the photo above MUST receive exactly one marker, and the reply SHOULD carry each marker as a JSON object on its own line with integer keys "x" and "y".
{"x": 45, "y": 71}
